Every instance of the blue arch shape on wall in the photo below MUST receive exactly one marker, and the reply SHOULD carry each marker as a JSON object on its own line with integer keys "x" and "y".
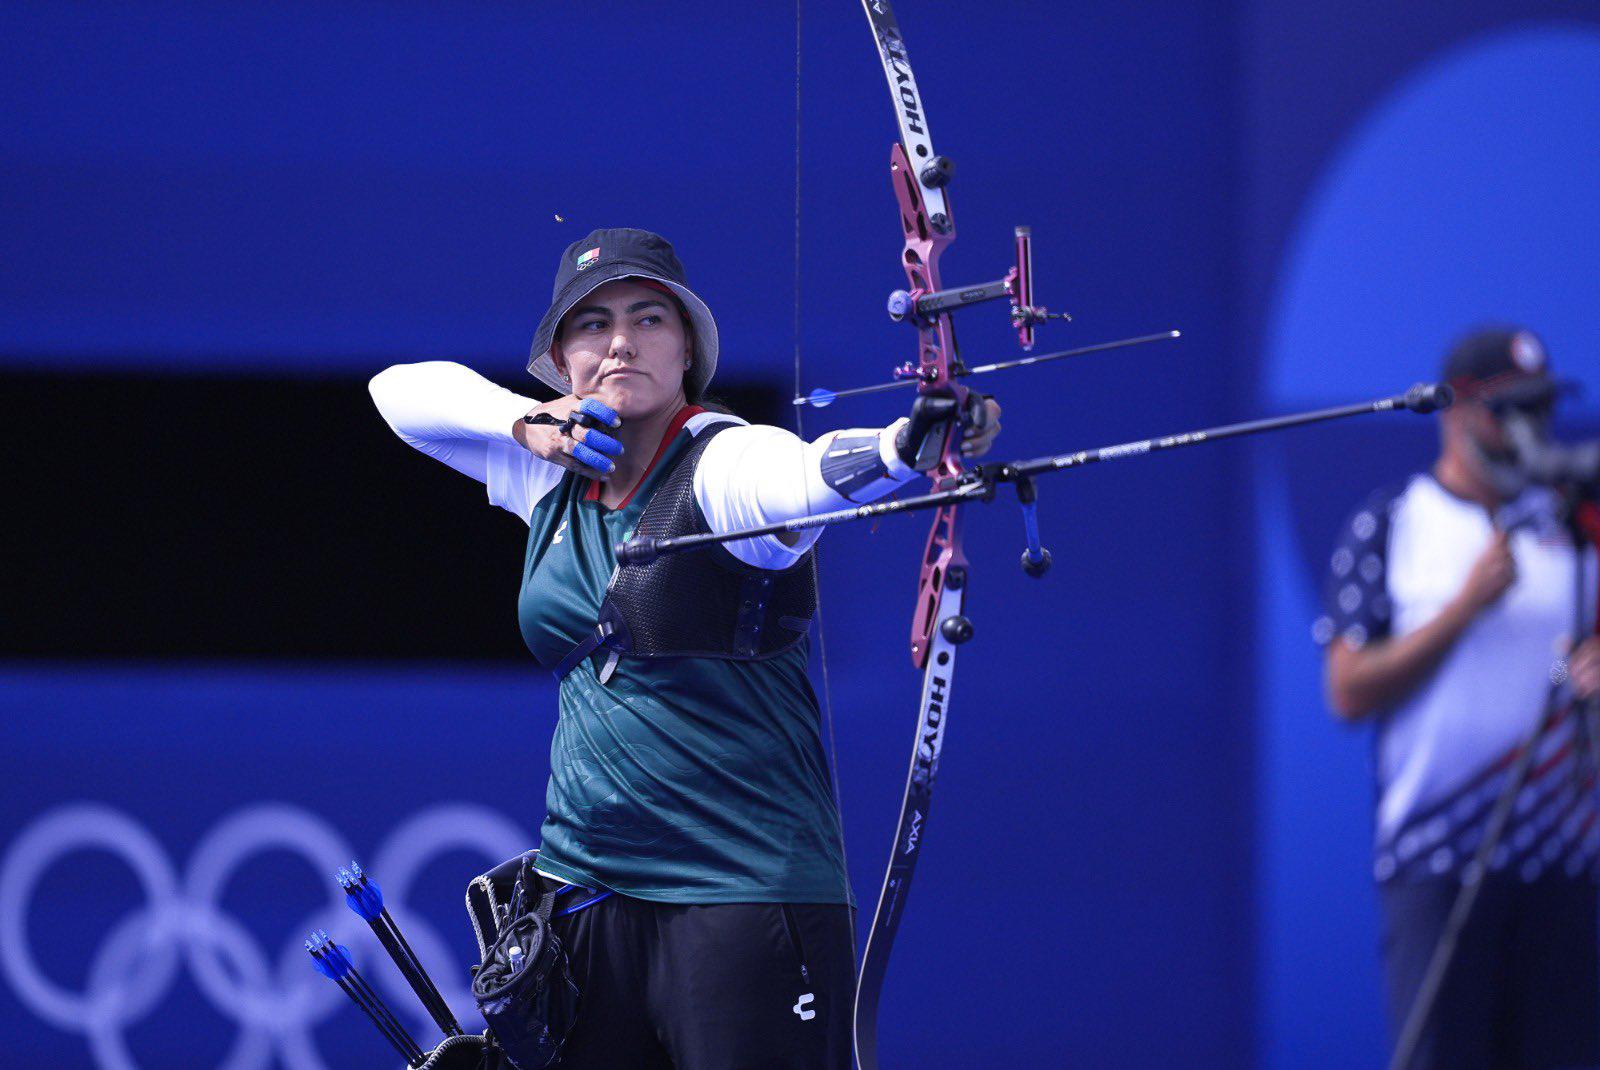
{"x": 1467, "y": 195}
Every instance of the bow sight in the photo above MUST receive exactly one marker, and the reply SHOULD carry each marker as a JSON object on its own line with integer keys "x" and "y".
{"x": 922, "y": 307}
{"x": 923, "y": 304}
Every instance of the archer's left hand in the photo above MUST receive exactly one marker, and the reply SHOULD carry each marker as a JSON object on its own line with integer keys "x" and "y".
{"x": 920, "y": 441}
{"x": 981, "y": 433}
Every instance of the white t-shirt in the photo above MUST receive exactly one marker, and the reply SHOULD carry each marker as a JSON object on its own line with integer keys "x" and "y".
{"x": 1442, "y": 755}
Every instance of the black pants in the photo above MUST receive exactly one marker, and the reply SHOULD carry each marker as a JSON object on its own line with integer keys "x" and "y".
{"x": 733, "y": 986}
{"x": 1523, "y": 990}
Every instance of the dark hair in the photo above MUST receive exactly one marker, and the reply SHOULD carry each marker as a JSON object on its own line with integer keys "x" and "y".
{"x": 712, "y": 404}
{"x": 700, "y": 397}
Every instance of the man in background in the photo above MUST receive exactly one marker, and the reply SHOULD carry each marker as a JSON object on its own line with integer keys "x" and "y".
{"x": 1450, "y": 600}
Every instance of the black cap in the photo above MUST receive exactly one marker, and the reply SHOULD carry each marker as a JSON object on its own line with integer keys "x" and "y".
{"x": 622, "y": 253}
{"x": 1505, "y": 365}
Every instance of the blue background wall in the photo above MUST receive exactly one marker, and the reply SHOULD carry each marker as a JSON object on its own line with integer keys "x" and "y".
{"x": 1149, "y": 847}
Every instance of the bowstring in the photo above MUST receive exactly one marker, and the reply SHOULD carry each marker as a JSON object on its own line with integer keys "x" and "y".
{"x": 799, "y": 430}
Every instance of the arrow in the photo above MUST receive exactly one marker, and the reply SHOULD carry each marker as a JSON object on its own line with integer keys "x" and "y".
{"x": 821, "y": 398}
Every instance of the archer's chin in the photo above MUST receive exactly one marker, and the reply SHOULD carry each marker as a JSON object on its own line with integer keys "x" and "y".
{"x": 632, "y": 396}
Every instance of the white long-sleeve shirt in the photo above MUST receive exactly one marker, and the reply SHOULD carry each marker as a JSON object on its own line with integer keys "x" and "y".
{"x": 750, "y": 474}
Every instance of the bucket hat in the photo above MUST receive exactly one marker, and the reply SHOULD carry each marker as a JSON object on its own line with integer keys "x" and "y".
{"x": 622, "y": 253}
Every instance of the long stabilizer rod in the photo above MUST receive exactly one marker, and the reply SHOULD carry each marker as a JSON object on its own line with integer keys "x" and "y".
{"x": 982, "y": 480}
{"x": 1422, "y": 398}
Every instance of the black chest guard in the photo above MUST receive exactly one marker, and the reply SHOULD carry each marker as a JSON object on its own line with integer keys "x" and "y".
{"x": 705, "y": 604}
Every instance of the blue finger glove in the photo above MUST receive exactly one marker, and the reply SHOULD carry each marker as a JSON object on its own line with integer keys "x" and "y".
{"x": 600, "y": 411}
{"x": 596, "y": 444}
{"x": 594, "y": 458}
{"x": 602, "y": 442}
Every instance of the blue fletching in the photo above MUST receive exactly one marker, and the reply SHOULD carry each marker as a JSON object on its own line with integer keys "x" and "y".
{"x": 820, "y": 398}
{"x": 331, "y": 960}
{"x": 339, "y": 959}
{"x": 324, "y": 967}
{"x": 600, "y": 411}
{"x": 361, "y": 893}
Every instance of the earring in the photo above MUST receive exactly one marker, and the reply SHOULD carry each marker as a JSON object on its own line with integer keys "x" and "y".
{"x": 688, "y": 364}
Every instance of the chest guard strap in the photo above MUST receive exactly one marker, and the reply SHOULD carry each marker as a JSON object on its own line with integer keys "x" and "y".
{"x": 706, "y": 604}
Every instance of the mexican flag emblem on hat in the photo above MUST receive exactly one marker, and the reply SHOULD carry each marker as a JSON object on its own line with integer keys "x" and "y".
{"x": 606, "y": 255}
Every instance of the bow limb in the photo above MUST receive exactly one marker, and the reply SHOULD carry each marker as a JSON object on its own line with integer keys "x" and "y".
{"x": 937, "y": 626}
{"x": 937, "y": 679}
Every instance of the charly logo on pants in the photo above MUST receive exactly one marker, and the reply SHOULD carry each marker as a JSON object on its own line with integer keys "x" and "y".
{"x": 802, "y": 1007}
{"x": 275, "y": 1000}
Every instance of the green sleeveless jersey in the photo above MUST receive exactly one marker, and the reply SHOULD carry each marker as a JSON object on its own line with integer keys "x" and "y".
{"x": 683, "y": 780}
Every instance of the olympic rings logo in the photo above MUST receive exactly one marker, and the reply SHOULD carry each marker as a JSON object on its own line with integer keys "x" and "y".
{"x": 275, "y": 1002}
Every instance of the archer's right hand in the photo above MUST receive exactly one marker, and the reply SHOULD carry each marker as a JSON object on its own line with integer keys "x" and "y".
{"x": 566, "y": 432}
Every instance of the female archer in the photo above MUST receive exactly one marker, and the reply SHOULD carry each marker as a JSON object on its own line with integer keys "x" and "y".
{"x": 687, "y": 769}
